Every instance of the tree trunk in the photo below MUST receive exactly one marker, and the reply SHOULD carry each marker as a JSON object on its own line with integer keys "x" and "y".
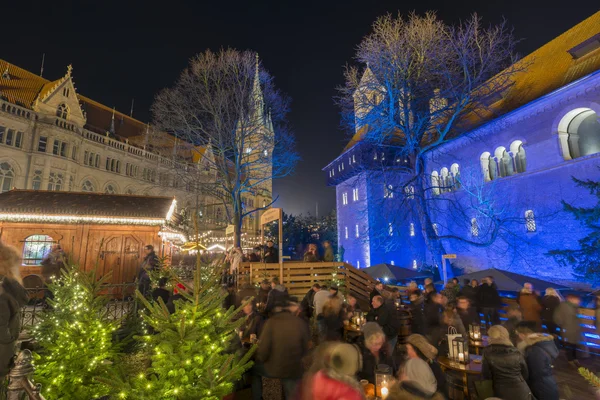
{"x": 434, "y": 245}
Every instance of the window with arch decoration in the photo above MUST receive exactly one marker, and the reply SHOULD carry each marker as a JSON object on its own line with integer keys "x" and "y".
{"x": 435, "y": 182}
{"x": 62, "y": 111}
{"x": 409, "y": 192}
{"x": 110, "y": 189}
{"x": 504, "y": 162}
{"x": 87, "y": 186}
{"x": 455, "y": 176}
{"x": 518, "y": 155}
{"x": 55, "y": 181}
{"x": 579, "y": 133}
{"x": 36, "y": 248}
{"x": 474, "y": 227}
{"x": 7, "y": 177}
{"x": 530, "y": 221}
{"x": 36, "y": 182}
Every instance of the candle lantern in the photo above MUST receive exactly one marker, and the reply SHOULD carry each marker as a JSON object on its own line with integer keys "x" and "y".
{"x": 383, "y": 378}
{"x": 460, "y": 350}
{"x": 475, "y": 332}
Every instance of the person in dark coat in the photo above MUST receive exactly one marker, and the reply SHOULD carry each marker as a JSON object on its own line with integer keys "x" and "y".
{"x": 271, "y": 253}
{"x": 263, "y": 291}
{"x": 161, "y": 292}
{"x": 150, "y": 263}
{"x": 312, "y": 253}
{"x": 253, "y": 321}
{"x": 283, "y": 343}
{"x": 417, "y": 314}
{"x": 377, "y": 291}
{"x": 332, "y": 320}
{"x": 550, "y": 303}
{"x": 328, "y": 255}
{"x": 351, "y": 307}
{"x": 469, "y": 291}
{"x": 277, "y": 296}
{"x": 13, "y": 297}
{"x": 489, "y": 302}
{"x": 375, "y": 350}
{"x": 307, "y": 303}
{"x": 254, "y": 257}
{"x": 175, "y": 297}
{"x": 566, "y": 316}
{"x": 505, "y": 366}
{"x": 467, "y": 313}
{"x": 382, "y": 314}
{"x": 231, "y": 299}
{"x": 433, "y": 311}
{"x": 514, "y": 318}
{"x": 540, "y": 352}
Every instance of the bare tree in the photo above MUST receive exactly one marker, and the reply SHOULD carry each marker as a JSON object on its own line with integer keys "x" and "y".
{"x": 425, "y": 82}
{"x": 232, "y": 124}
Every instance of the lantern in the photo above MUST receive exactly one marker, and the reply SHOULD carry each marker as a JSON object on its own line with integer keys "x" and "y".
{"x": 460, "y": 350}
{"x": 475, "y": 332}
{"x": 383, "y": 380}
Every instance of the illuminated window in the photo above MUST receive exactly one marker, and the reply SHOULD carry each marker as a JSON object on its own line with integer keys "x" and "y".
{"x": 345, "y": 198}
{"x": 248, "y": 150}
{"x": 266, "y": 153}
{"x": 414, "y": 264}
{"x": 474, "y": 227}
{"x": 392, "y": 262}
{"x": 62, "y": 111}
{"x": 409, "y": 192}
{"x": 87, "y": 186}
{"x": 355, "y": 194}
{"x": 357, "y": 263}
{"x": 36, "y": 248}
{"x": 346, "y": 232}
{"x": 388, "y": 191}
{"x": 530, "y": 221}
{"x": 7, "y": 176}
{"x": 353, "y": 159}
{"x": 55, "y": 181}
{"x": 435, "y": 229}
{"x": 356, "y": 230}
{"x": 390, "y": 229}
{"x": 435, "y": 182}
{"x": 412, "y": 229}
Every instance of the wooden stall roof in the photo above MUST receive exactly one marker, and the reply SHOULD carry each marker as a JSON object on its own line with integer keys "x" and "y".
{"x": 42, "y": 202}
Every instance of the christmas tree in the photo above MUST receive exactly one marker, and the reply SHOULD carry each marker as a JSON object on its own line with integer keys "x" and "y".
{"x": 191, "y": 351}
{"x": 75, "y": 337}
{"x": 586, "y": 259}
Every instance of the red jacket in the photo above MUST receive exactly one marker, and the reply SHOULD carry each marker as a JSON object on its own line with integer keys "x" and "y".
{"x": 323, "y": 387}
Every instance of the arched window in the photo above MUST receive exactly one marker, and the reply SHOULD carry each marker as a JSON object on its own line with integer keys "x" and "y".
{"x": 485, "y": 160}
{"x": 414, "y": 264}
{"x": 474, "y": 227}
{"x": 55, "y": 181}
{"x": 412, "y": 229}
{"x": 110, "y": 189}
{"x": 435, "y": 182}
{"x": 7, "y": 177}
{"x": 530, "y": 221}
{"x": 579, "y": 133}
{"x": 62, "y": 111}
{"x": 444, "y": 180}
{"x": 455, "y": 176}
{"x": 505, "y": 165}
{"x": 36, "y": 248}
{"x": 87, "y": 186}
{"x": 36, "y": 182}
{"x": 518, "y": 153}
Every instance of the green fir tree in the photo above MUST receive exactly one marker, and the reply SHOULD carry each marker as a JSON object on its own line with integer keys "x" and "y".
{"x": 192, "y": 356}
{"x": 75, "y": 337}
{"x": 585, "y": 261}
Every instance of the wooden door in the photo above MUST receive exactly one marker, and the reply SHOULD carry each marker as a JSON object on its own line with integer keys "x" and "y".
{"x": 131, "y": 259}
{"x": 111, "y": 257}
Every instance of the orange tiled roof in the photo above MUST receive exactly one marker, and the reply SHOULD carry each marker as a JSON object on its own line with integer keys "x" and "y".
{"x": 23, "y": 87}
{"x": 549, "y": 68}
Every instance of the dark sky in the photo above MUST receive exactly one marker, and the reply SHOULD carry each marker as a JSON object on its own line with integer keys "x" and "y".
{"x": 132, "y": 49}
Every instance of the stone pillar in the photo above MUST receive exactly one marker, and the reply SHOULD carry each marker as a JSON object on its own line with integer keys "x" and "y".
{"x": 19, "y": 378}
{"x": 574, "y": 145}
{"x": 563, "y": 138}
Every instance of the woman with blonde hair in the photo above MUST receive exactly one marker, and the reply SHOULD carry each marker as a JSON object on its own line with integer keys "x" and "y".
{"x": 550, "y": 302}
{"x": 13, "y": 296}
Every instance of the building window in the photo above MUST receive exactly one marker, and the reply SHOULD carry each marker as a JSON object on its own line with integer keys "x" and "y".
{"x": 488, "y": 166}
{"x": 71, "y": 183}
{"x": 346, "y": 232}
{"x": 356, "y": 230}
{"x": 455, "y": 176}
{"x": 474, "y": 227}
{"x": 344, "y": 198}
{"x": 390, "y": 229}
{"x": 435, "y": 229}
{"x": 357, "y": 263}
{"x": 130, "y": 191}
{"x": 388, "y": 191}
{"x": 414, "y": 264}
{"x": 2, "y": 130}
{"x": 392, "y": 262}
{"x": 36, "y": 182}
{"x": 435, "y": 182}
{"x": 355, "y": 194}
{"x": 412, "y": 229}
{"x": 74, "y": 153}
{"x": 87, "y": 186}
{"x": 36, "y": 248}
{"x": 10, "y": 134}
{"x": 66, "y": 92}
{"x": 55, "y": 181}
{"x": 409, "y": 192}
{"x": 530, "y": 221}
{"x": 110, "y": 189}
{"x": 353, "y": 159}
{"x": 12, "y": 138}
{"x": 518, "y": 155}
{"x": 62, "y": 111}
{"x": 7, "y": 176}
{"x": 59, "y": 148}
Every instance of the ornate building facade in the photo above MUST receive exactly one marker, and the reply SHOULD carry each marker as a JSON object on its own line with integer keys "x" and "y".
{"x": 546, "y": 131}
{"x": 53, "y": 138}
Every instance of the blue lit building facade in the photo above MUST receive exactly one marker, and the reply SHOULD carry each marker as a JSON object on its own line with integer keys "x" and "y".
{"x": 548, "y": 131}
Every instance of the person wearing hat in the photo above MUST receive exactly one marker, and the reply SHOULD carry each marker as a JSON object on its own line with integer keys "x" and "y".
{"x": 421, "y": 368}
{"x": 307, "y": 301}
{"x": 505, "y": 366}
{"x": 375, "y": 350}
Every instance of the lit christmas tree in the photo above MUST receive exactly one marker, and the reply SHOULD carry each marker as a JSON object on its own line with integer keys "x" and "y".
{"x": 586, "y": 259}
{"x": 75, "y": 337}
{"x": 191, "y": 353}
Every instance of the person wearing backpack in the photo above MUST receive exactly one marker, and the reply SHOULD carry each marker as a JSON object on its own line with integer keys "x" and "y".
{"x": 540, "y": 352}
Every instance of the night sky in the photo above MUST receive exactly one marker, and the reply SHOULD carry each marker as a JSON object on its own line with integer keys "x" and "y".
{"x": 132, "y": 49}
